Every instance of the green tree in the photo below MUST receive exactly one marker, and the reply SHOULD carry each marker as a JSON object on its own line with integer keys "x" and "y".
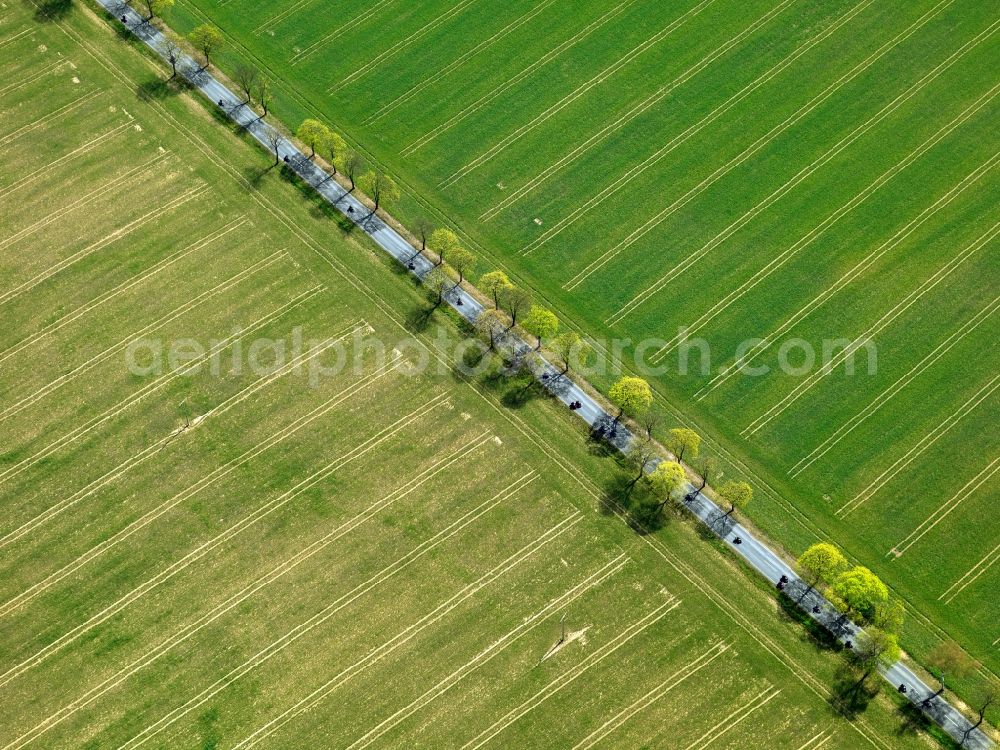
{"x": 443, "y": 242}
{"x": 493, "y": 284}
{"x": 875, "y": 647}
{"x": 570, "y": 348}
{"x": 889, "y": 616}
{"x": 684, "y": 442}
{"x": 335, "y": 150}
{"x": 631, "y": 396}
{"x": 381, "y": 188}
{"x": 461, "y": 261}
{"x": 354, "y": 165}
{"x": 638, "y": 458}
{"x": 438, "y": 283}
{"x": 664, "y": 481}
{"x": 491, "y": 325}
{"x": 541, "y": 323}
{"x": 822, "y": 563}
{"x": 313, "y": 133}
{"x": 736, "y": 495}
{"x": 515, "y": 302}
{"x": 858, "y": 591}
{"x": 706, "y": 466}
{"x": 206, "y": 39}
{"x": 156, "y": 7}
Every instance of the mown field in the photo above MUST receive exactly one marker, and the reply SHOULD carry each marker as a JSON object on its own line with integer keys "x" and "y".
{"x": 218, "y": 556}
{"x": 764, "y": 172}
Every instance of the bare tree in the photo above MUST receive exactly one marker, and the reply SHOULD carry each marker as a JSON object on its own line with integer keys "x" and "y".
{"x": 246, "y": 79}
{"x": 354, "y": 166}
{"x": 173, "y": 53}
{"x": 264, "y": 95}
{"x": 274, "y": 140}
{"x": 986, "y": 698}
{"x": 423, "y": 228}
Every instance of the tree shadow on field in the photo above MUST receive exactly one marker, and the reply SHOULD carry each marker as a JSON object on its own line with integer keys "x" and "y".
{"x": 849, "y": 696}
{"x": 50, "y": 10}
{"x": 810, "y": 631}
{"x": 157, "y": 89}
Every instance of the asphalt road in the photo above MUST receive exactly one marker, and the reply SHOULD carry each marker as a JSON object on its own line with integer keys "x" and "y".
{"x": 756, "y": 554}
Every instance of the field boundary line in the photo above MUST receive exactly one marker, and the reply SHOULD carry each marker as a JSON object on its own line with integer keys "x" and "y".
{"x": 110, "y": 294}
{"x": 879, "y": 401}
{"x": 120, "y": 233}
{"x": 109, "y": 352}
{"x": 980, "y": 567}
{"x": 497, "y": 647}
{"x": 44, "y": 119}
{"x": 214, "y": 476}
{"x": 681, "y": 674}
{"x": 568, "y": 676}
{"x": 579, "y": 91}
{"x": 848, "y": 276}
{"x": 135, "y": 460}
{"x": 932, "y": 436}
{"x": 31, "y": 79}
{"x": 317, "y": 696}
{"x": 356, "y": 21}
{"x": 345, "y": 600}
{"x": 78, "y": 151}
{"x": 401, "y": 44}
{"x": 234, "y": 600}
{"x": 875, "y": 328}
{"x": 945, "y": 509}
{"x": 61, "y": 212}
{"x": 751, "y": 150}
{"x": 494, "y": 93}
{"x": 645, "y": 105}
{"x": 459, "y": 61}
{"x": 738, "y": 715}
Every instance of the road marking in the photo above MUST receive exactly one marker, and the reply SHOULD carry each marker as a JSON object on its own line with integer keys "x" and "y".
{"x": 510, "y": 83}
{"x": 578, "y": 92}
{"x": 945, "y": 509}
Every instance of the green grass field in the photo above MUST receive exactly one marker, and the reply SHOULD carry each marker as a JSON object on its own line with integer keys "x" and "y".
{"x": 781, "y": 171}
{"x": 221, "y": 558}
